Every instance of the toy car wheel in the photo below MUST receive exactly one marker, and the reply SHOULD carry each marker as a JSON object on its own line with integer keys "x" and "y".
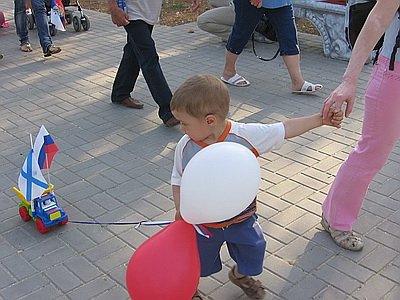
{"x": 64, "y": 222}
{"x": 31, "y": 21}
{"x": 85, "y": 22}
{"x": 40, "y": 226}
{"x": 24, "y": 214}
{"x": 53, "y": 30}
{"x": 76, "y": 23}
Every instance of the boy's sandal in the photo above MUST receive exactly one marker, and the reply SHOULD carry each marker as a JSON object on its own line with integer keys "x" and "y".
{"x": 251, "y": 287}
{"x": 345, "y": 239}
{"x": 197, "y": 296}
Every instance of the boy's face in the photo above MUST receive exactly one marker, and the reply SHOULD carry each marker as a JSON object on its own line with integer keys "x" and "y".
{"x": 198, "y": 129}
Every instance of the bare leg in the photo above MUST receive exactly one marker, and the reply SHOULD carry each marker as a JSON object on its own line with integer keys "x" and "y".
{"x": 230, "y": 64}
{"x": 292, "y": 63}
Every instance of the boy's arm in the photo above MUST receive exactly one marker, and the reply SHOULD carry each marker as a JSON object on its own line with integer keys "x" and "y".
{"x": 176, "y": 194}
{"x": 298, "y": 126}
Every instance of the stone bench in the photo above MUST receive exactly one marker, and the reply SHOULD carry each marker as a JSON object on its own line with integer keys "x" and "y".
{"x": 329, "y": 19}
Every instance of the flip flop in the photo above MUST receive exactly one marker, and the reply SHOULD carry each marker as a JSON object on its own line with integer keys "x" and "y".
{"x": 305, "y": 89}
{"x": 236, "y": 80}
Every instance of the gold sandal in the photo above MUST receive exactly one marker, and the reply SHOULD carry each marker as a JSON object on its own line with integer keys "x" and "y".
{"x": 345, "y": 239}
{"x": 251, "y": 287}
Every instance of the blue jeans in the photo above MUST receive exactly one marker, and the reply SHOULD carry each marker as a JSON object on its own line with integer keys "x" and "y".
{"x": 140, "y": 54}
{"x": 21, "y": 23}
{"x": 41, "y": 20}
{"x": 247, "y": 17}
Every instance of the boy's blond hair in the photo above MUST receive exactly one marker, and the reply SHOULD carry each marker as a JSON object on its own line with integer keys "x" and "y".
{"x": 201, "y": 95}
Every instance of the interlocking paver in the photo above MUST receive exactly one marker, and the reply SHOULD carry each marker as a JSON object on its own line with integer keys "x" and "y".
{"x": 114, "y": 164}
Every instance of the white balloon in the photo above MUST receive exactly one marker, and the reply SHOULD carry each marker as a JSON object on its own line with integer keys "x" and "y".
{"x": 218, "y": 183}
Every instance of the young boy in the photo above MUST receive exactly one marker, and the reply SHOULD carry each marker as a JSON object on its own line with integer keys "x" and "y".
{"x": 201, "y": 104}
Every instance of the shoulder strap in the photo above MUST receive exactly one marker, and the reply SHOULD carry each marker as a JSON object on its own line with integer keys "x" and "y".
{"x": 396, "y": 45}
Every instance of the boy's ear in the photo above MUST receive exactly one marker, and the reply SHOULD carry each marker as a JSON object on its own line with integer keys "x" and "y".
{"x": 211, "y": 119}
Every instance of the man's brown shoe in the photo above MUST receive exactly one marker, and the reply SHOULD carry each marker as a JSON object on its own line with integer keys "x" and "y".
{"x": 171, "y": 122}
{"x": 131, "y": 103}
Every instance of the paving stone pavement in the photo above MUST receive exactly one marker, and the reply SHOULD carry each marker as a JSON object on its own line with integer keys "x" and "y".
{"x": 114, "y": 164}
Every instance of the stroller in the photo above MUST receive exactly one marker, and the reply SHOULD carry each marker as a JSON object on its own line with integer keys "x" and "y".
{"x": 75, "y": 16}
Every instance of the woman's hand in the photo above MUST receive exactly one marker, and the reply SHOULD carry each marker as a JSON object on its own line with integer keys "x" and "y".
{"x": 345, "y": 92}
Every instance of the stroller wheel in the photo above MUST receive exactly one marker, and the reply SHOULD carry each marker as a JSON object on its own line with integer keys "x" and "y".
{"x": 76, "y": 23}
{"x": 53, "y": 30}
{"x": 85, "y": 22}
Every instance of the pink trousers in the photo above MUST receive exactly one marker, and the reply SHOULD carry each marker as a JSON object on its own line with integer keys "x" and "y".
{"x": 380, "y": 132}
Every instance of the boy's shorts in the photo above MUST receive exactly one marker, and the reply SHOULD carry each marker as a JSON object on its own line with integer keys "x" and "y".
{"x": 246, "y": 246}
{"x": 247, "y": 17}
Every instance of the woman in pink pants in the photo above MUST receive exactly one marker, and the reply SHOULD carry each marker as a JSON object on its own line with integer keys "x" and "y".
{"x": 381, "y": 125}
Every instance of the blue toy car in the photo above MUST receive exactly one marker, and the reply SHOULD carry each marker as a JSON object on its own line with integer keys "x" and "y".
{"x": 46, "y": 213}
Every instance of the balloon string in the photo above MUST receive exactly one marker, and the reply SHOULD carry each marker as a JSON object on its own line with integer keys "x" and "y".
{"x": 138, "y": 224}
{"x": 199, "y": 229}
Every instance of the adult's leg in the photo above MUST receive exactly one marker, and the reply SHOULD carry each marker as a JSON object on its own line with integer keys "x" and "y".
{"x": 127, "y": 74}
{"x": 139, "y": 36}
{"x": 247, "y": 17}
{"x": 41, "y": 20}
{"x": 380, "y": 132}
{"x": 284, "y": 23}
{"x": 218, "y": 21}
{"x": 20, "y": 19}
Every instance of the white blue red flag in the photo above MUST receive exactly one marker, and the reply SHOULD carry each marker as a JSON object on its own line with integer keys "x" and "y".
{"x": 44, "y": 148}
{"x": 57, "y": 14}
{"x": 31, "y": 182}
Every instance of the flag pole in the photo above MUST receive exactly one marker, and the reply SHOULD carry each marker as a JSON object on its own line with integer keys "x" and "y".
{"x": 48, "y": 169}
{"x": 30, "y": 136}
{"x": 32, "y": 205}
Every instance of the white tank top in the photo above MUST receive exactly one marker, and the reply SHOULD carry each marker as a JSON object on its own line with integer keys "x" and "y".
{"x": 390, "y": 38}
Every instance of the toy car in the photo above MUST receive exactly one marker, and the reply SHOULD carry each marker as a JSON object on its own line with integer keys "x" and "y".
{"x": 46, "y": 213}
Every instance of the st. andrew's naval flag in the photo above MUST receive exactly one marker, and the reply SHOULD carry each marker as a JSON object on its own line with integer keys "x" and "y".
{"x": 31, "y": 182}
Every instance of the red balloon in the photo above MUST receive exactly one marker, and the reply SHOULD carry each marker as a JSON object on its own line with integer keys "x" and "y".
{"x": 166, "y": 266}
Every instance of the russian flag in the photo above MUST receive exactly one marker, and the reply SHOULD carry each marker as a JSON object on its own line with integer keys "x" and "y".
{"x": 44, "y": 148}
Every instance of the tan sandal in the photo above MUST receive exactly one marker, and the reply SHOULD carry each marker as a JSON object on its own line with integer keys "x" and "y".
{"x": 345, "y": 239}
{"x": 251, "y": 287}
{"x": 197, "y": 296}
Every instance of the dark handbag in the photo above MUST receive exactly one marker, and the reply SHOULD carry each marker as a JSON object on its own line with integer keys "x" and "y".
{"x": 265, "y": 28}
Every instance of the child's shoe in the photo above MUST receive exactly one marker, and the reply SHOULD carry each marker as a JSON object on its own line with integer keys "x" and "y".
{"x": 251, "y": 287}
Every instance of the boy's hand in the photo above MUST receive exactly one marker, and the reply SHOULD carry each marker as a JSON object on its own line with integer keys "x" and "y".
{"x": 256, "y": 3}
{"x": 178, "y": 216}
{"x": 333, "y": 118}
